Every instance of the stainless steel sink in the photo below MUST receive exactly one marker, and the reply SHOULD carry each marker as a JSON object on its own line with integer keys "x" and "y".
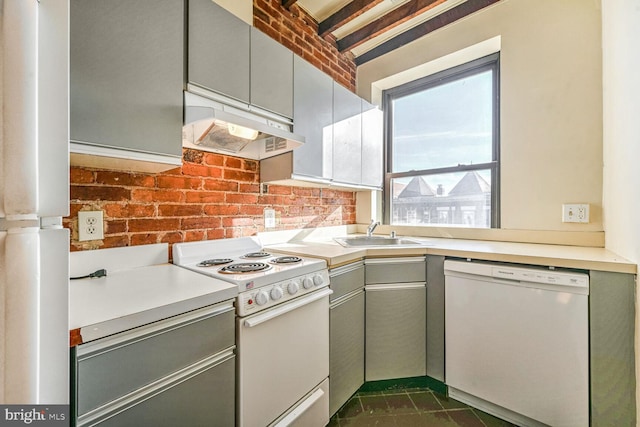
{"x": 368, "y": 241}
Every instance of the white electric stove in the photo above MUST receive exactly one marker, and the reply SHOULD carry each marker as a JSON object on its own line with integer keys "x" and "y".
{"x": 282, "y": 315}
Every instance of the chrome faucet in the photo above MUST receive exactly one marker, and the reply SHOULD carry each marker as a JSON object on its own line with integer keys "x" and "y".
{"x": 372, "y": 227}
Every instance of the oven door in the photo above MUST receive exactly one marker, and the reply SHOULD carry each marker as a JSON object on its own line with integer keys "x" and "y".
{"x": 283, "y": 354}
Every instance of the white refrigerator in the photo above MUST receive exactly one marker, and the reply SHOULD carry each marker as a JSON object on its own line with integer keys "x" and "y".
{"x": 34, "y": 196}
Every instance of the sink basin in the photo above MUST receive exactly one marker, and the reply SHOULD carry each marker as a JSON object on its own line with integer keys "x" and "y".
{"x": 367, "y": 241}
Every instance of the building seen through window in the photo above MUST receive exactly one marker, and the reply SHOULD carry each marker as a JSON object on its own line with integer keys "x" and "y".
{"x": 467, "y": 203}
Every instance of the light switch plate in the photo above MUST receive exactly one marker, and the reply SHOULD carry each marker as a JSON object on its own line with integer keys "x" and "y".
{"x": 90, "y": 226}
{"x": 575, "y": 212}
{"x": 269, "y": 218}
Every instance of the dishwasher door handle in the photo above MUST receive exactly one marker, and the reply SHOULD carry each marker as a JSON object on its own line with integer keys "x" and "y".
{"x": 286, "y": 308}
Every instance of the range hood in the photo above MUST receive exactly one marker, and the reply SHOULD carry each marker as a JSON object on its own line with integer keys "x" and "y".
{"x": 220, "y": 125}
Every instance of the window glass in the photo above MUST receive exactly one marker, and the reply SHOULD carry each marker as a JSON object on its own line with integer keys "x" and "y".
{"x": 444, "y": 125}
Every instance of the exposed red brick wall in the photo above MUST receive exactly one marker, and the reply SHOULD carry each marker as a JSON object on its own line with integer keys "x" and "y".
{"x": 298, "y": 31}
{"x": 214, "y": 196}
{"x": 211, "y": 196}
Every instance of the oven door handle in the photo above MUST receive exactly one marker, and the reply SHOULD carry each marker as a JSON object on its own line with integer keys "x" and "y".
{"x": 285, "y": 308}
{"x": 301, "y": 409}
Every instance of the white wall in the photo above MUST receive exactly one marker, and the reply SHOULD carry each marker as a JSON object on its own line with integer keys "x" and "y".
{"x": 621, "y": 105}
{"x": 551, "y": 102}
{"x": 243, "y": 9}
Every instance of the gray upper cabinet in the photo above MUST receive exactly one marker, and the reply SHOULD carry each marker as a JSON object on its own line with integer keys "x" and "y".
{"x": 218, "y": 50}
{"x": 127, "y": 75}
{"x": 271, "y": 74}
{"x": 344, "y": 140}
{"x": 347, "y": 135}
{"x": 313, "y": 118}
{"x": 372, "y": 167}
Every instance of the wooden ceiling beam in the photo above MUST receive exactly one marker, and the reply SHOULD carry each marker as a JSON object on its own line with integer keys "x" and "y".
{"x": 288, "y": 3}
{"x": 439, "y": 21}
{"x": 386, "y": 22}
{"x": 345, "y": 15}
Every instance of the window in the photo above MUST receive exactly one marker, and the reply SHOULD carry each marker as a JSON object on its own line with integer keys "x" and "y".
{"x": 442, "y": 154}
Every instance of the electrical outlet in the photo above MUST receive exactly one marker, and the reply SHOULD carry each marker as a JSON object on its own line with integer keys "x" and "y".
{"x": 269, "y": 218}
{"x": 575, "y": 213}
{"x": 90, "y": 225}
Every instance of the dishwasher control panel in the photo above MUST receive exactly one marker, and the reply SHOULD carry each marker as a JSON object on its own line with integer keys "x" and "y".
{"x": 541, "y": 276}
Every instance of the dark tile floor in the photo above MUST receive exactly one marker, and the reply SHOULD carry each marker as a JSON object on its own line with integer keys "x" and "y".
{"x": 410, "y": 407}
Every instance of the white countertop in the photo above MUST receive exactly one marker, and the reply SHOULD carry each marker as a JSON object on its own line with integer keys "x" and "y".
{"x": 524, "y": 253}
{"x": 135, "y": 296}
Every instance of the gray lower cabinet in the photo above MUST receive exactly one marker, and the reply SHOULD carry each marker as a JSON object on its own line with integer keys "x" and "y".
{"x": 346, "y": 334}
{"x": 435, "y": 317}
{"x": 218, "y": 50}
{"x": 395, "y": 318}
{"x": 192, "y": 400}
{"x": 611, "y": 341}
{"x": 179, "y": 371}
{"x": 127, "y": 75}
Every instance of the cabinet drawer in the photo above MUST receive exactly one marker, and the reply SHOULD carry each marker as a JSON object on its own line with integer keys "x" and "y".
{"x": 114, "y": 366}
{"x": 395, "y": 270}
{"x": 346, "y": 279}
{"x": 201, "y": 395}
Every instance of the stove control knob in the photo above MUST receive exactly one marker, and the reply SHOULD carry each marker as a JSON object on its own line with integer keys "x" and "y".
{"x": 307, "y": 283}
{"x": 318, "y": 280}
{"x": 262, "y": 298}
{"x": 276, "y": 293}
{"x": 292, "y": 288}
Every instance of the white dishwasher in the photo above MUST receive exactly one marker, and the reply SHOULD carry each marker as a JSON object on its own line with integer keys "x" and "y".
{"x": 517, "y": 342}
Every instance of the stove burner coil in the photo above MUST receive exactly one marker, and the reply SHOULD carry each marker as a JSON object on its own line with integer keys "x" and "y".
{"x": 286, "y": 260}
{"x": 214, "y": 262}
{"x": 256, "y": 255}
{"x": 245, "y": 267}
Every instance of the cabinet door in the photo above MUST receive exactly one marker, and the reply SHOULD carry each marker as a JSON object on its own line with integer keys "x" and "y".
{"x": 126, "y": 78}
{"x": 312, "y": 111}
{"x": 395, "y": 331}
{"x": 372, "y": 145}
{"x": 435, "y": 317}
{"x": 347, "y": 132}
{"x": 346, "y": 349}
{"x": 218, "y": 55}
{"x": 612, "y": 313}
{"x": 271, "y": 74}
